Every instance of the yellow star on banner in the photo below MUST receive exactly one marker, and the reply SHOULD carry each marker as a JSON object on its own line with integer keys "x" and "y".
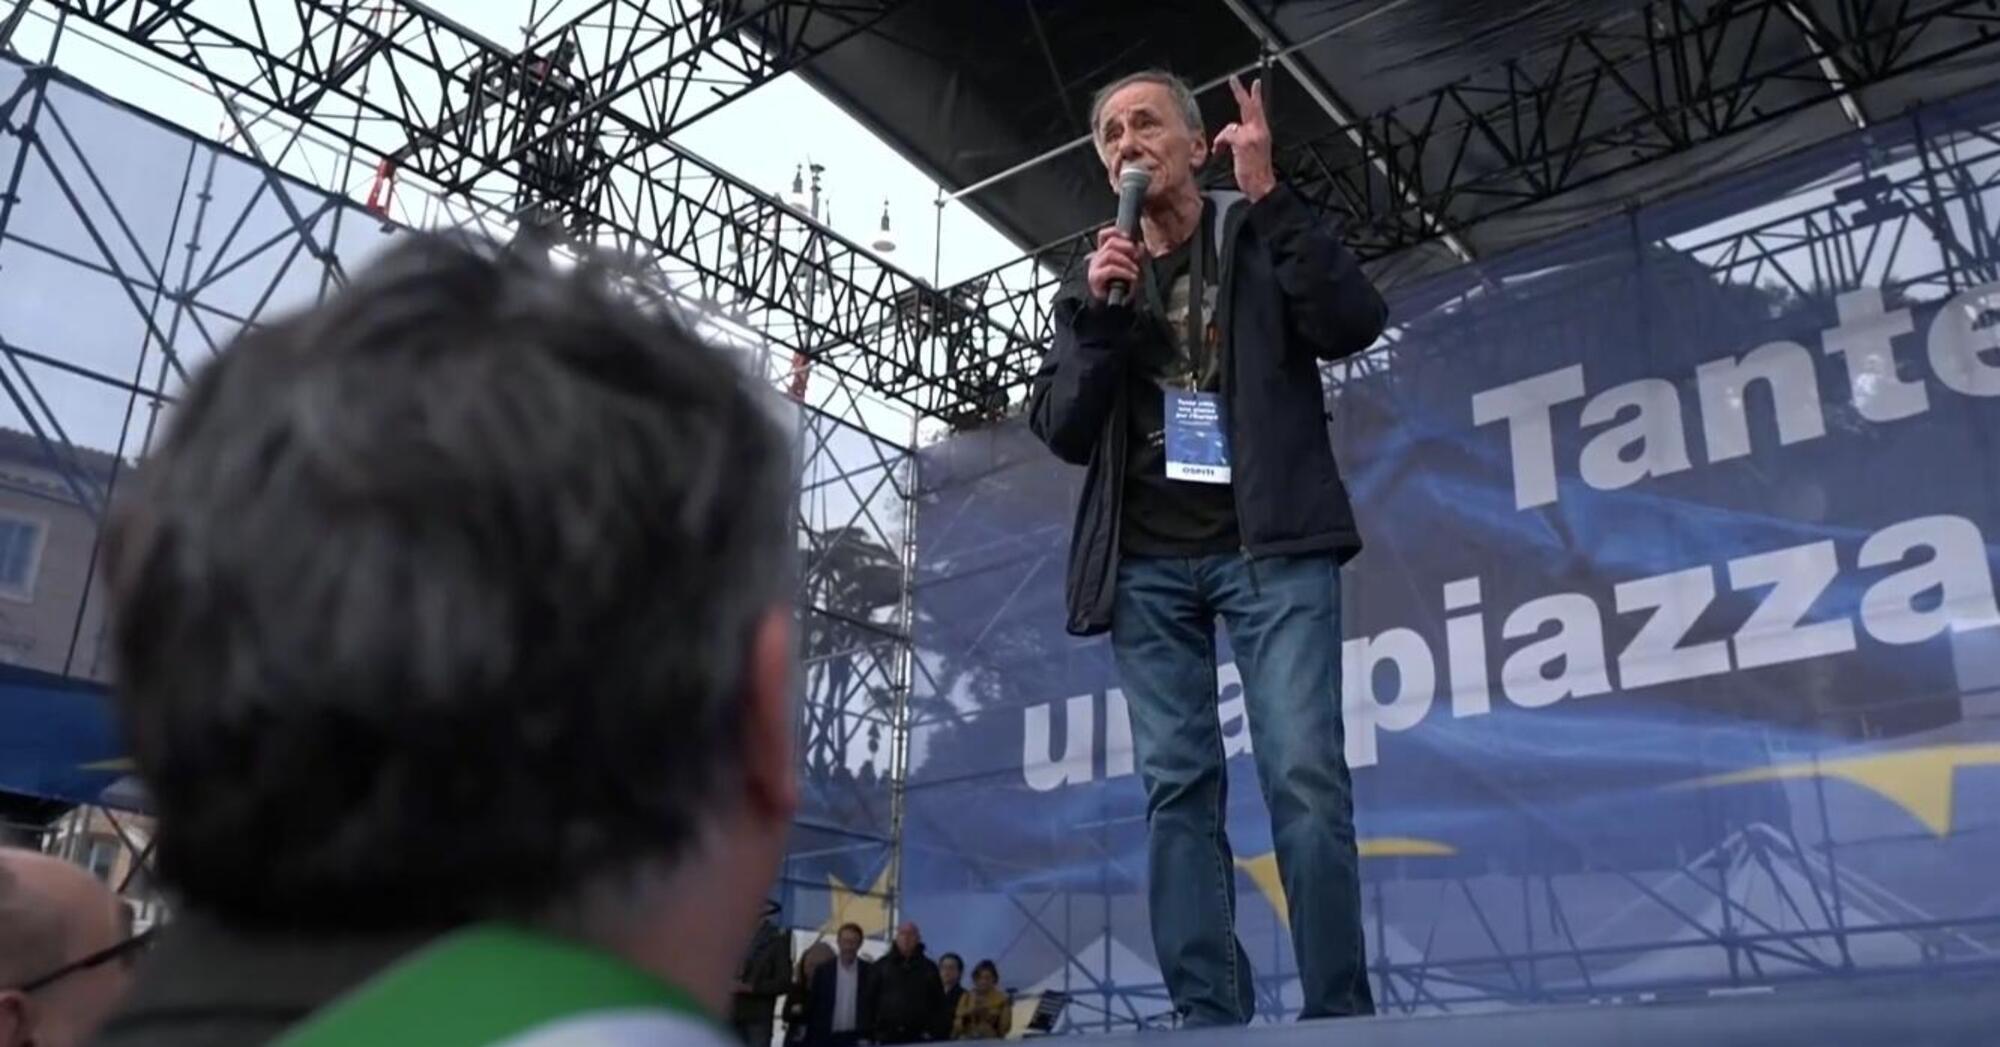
{"x": 1918, "y": 780}
{"x": 869, "y": 909}
{"x": 1263, "y": 869}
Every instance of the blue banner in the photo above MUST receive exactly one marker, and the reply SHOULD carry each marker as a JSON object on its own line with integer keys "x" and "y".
{"x": 1672, "y": 660}
{"x": 61, "y": 741}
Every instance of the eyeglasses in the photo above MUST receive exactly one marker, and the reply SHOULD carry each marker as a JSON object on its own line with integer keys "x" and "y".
{"x": 124, "y": 952}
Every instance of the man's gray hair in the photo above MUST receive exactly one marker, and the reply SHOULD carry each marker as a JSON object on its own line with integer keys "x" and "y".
{"x": 1177, "y": 87}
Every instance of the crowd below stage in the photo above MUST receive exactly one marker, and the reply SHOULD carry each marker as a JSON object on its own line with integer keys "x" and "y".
{"x": 833, "y": 997}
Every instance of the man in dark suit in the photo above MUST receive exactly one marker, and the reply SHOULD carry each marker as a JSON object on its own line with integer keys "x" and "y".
{"x": 843, "y": 1004}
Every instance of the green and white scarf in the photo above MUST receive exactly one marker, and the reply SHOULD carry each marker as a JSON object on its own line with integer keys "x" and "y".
{"x": 501, "y": 985}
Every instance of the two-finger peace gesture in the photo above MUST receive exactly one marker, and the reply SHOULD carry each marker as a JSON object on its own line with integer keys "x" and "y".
{"x": 1249, "y": 141}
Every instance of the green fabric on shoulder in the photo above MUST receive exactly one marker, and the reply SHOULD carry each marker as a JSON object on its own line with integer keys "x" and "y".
{"x": 484, "y": 985}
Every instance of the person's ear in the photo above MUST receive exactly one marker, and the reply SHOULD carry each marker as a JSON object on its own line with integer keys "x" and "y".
{"x": 1199, "y": 156}
{"x": 17, "y": 1019}
{"x": 770, "y": 773}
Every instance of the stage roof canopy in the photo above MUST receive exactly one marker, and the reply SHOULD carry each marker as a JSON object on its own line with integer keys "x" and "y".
{"x": 1455, "y": 128}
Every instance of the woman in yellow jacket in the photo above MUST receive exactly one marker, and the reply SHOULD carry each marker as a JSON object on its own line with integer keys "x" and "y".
{"x": 985, "y": 1013}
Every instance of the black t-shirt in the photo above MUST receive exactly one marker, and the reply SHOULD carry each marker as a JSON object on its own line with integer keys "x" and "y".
{"x": 1165, "y": 517}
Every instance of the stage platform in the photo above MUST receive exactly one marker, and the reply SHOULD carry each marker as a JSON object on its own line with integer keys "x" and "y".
{"x": 1954, "y": 1011}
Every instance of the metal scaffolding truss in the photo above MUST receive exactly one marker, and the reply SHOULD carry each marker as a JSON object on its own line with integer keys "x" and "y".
{"x": 1766, "y": 905}
{"x": 1763, "y": 906}
{"x": 855, "y": 635}
{"x": 856, "y": 546}
{"x": 1921, "y": 228}
{"x": 1917, "y": 221}
{"x": 471, "y": 115}
{"x": 183, "y": 306}
{"x": 571, "y": 133}
{"x": 613, "y": 66}
{"x": 1668, "y": 78}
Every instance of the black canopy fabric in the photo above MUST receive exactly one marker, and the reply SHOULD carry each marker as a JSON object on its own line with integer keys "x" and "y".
{"x": 968, "y": 89}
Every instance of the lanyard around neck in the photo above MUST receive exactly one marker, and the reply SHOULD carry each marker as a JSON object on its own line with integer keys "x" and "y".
{"x": 1195, "y": 333}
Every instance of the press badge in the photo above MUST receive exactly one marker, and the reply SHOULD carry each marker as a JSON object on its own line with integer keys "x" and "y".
{"x": 1197, "y": 448}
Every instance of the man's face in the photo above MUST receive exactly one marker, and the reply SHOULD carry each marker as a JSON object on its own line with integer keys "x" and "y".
{"x": 850, "y": 946}
{"x": 1140, "y": 124}
{"x": 908, "y": 938}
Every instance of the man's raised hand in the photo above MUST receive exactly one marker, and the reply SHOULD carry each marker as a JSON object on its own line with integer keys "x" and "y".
{"x": 1249, "y": 141}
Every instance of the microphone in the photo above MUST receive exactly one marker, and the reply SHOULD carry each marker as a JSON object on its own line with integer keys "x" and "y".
{"x": 1132, "y": 183}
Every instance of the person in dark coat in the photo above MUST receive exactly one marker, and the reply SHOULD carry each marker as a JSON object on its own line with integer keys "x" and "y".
{"x": 842, "y": 1009}
{"x": 1183, "y": 374}
{"x": 907, "y": 991}
{"x": 798, "y": 999}
{"x": 763, "y": 978}
{"x": 951, "y": 974}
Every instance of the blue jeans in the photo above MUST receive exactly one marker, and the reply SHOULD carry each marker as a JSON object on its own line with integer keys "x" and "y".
{"x": 1283, "y": 617}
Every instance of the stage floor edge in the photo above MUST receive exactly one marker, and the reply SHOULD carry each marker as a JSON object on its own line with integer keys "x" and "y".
{"x": 1957, "y": 1010}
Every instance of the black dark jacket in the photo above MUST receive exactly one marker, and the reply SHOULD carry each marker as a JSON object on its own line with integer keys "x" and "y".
{"x": 767, "y": 970}
{"x": 908, "y": 992}
{"x": 207, "y": 985}
{"x": 1290, "y": 295}
{"x": 819, "y": 1015}
{"x": 947, "y": 1019}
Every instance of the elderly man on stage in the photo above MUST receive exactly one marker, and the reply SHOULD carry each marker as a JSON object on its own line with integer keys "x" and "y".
{"x": 1211, "y": 492}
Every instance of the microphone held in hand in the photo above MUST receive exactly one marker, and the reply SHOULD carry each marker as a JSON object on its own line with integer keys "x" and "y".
{"x": 1132, "y": 183}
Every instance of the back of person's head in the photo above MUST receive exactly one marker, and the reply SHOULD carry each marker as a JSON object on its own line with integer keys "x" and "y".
{"x": 810, "y": 961}
{"x": 459, "y": 592}
{"x": 61, "y": 966}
